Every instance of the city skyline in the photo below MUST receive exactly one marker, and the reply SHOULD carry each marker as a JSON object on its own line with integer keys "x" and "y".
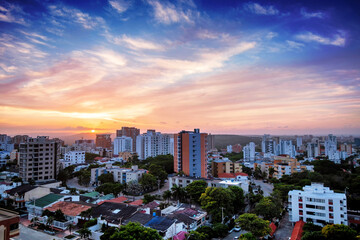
{"x": 231, "y": 67}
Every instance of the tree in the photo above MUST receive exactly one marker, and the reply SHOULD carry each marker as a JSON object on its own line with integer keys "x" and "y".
{"x": 317, "y": 235}
{"x": 271, "y": 172}
{"x": 158, "y": 171}
{"x": 108, "y": 233}
{"x": 107, "y": 188}
{"x": 178, "y": 192}
{"x": 70, "y": 227}
{"x": 338, "y": 231}
{"x": 148, "y": 198}
{"x": 84, "y": 178}
{"x": 195, "y": 189}
{"x": 218, "y": 202}
{"x": 133, "y": 187}
{"x": 252, "y": 223}
{"x": 247, "y": 236}
{"x": 86, "y": 214}
{"x": 267, "y": 208}
{"x": 195, "y": 235}
{"x": 106, "y": 178}
{"x": 220, "y": 230}
{"x": 133, "y": 231}
{"x": 84, "y": 233}
{"x": 31, "y": 181}
{"x": 167, "y": 195}
{"x": 34, "y": 220}
{"x": 148, "y": 182}
{"x": 16, "y": 179}
{"x": 59, "y": 216}
{"x": 90, "y": 157}
{"x": 206, "y": 230}
{"x": 239, "y": 200}
{"x": 50, "y": 221}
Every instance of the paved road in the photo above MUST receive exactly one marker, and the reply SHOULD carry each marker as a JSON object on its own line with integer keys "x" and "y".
{"x": 285, "y": 229}
{"x": 31, "y": 234}
{"x": 73, "y": 183}
{"x": 233, "y": 234}
{"x": 266, "y": 187}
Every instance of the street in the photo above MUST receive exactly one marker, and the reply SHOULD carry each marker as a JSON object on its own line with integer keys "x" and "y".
{"x": 30, "y": 234}
{"x": 233, "y": 234}
{"x": 285, "y": 228}
{"x": 266, "y": 187}
{"x": 73, "y": 183}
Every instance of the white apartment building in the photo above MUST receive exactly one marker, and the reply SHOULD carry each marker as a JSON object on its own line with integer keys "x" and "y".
{"x": 312, "y": 150}
{"x": 285, "y": 148}
{"x": 151, "y": 144}
{"x": 123, "y": 144}
{"x": 249, "y": 152}
{"x": 317, "y": 204}
{"x": 73, "y": 158}
{"x": 121, "y": 175}
{"x": 268, "y": 145}
{"x": 298, "y": 142}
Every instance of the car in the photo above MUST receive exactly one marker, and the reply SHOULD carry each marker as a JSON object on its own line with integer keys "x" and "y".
{"x": 265, "y": 181}
{"x": 237, "y": 229}
{"x": 236, "y": 237}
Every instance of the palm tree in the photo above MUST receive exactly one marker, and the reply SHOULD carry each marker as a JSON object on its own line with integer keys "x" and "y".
{"x": 70, "y": 227}
{"x": 177, "y": 191}
{"x": 167, "y": 195}
{"x": 34, "y": 220}
{"x": 50, "y": 221}
{"x": 84, "y": 233}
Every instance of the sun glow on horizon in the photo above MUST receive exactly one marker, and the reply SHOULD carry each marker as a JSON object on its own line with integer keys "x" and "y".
{"x": 93, "y": 131}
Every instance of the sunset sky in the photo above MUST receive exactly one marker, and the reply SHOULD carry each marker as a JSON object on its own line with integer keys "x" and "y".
{"x": 235, "y": 67}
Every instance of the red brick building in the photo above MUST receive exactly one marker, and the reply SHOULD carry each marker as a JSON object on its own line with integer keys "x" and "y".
{"x": 103, "y": 140}
{"x": 9, "y": 224}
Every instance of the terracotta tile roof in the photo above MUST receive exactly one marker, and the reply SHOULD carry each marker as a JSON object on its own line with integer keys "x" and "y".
{"x": 69, "y": 208}
{"x": 115, "y": 200}
{"x": 231, "y": 175}
{"x": 151, "y": 205}
{"x": 297, "y": 231}
{"x": 137, "y": 202}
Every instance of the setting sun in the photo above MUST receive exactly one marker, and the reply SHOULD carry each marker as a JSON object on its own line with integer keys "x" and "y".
{"x": 93, "y": 131}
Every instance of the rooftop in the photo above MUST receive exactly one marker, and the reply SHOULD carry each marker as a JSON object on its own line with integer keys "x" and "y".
{"x": 114, "y": 212}
{"x": 7, "y": 214}
{"x": 20, "y": 190}
{"x": 93, "y": 194}
{"x": 232, "y": 175}
{"x": 139, "y": 217}
{"x": 69, "y": 208}
{"x": 46, "y": 200}
{"x": 160, "y": 223}
{"x": 115, "y": 200}
{"x": 137, "y": 202}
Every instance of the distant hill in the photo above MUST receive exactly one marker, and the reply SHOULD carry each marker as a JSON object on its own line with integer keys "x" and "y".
{"x": 221, "y": 141}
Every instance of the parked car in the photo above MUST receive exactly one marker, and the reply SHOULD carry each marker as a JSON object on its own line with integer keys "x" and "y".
{"x": 236, "y": 237}
{"x": 237, "y": 229}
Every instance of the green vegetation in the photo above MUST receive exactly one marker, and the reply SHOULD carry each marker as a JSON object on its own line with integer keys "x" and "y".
{"x": 218, "y": 230}
{"x": 58, "y": 215}
{"x": 131, "y": 231}
{"x": 107, "y": 188}
{"x": 252, "y": 223}
{"x": 267, "y": 208}
{"x": 90, "y": 157}
{"x": 148, "y": 198}
{"x": 328, "y": 232}
{"x": 90, "y": 223}
{"x": 195, "y": 189}
{"x": 234, "y": 156}
{"x": 106, "y": 178}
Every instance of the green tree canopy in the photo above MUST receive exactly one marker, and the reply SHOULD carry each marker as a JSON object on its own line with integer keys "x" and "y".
{"x": 195, "y": 189}
{"x": 317, "y": 235}
{"x": 338, "y": 231}
{"x": 148, "y": 182}
{"x": 247, "y": 236}
{"x": 135, "y": 231}
{"x": 106, "y": 178}
{"x": 267, "y": 208}
{"x": 107, "y": 188}
{"x": 158, "y": 171}
{"x": 252, "y": 223}
{"x": 148, "y": 198}
{"x": 195, "y": 235}
{"x": 239, "y": 200}
{"x": 220, "y": 230}
{"x": 217, "y": 201}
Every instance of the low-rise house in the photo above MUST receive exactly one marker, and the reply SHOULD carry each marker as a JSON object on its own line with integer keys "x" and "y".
{"x": 9, "y": 224}
{"x": 164, "y": 225}
{"x": 113, "y": 214}
{"x": 71, "y": 210}
{"x": 191, "y": 218}
{"x": 4, "y": 186}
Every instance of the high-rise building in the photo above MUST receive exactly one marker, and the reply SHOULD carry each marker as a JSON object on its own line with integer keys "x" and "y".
{"x": 211, "y": 142}
{"x": 190, "y": 154}
{"x": 249, "y": 152}
{"x": 268, "y": 145}
{"x": 317, "y": 204}
{"x": 331, "y": 150}
{"x": 346, "y": 148}
{"x": 285, "y": 148}
{"x": 129, "y": 132}
{"x": 152, "y": 144}
{"x": 123, "y": 144}
{"x": 84, "y": 145}
{"x": 73, "y": 158}
{"x": 298, "y": 142}
{"x": 312, "y": 150}
{"x": 103, "y": 141}
{"x": 39, "y": 159}
{"x": 6, "y": 143}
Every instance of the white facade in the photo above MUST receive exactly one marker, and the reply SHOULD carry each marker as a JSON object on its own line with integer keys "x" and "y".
{"x": 317, "y": 204}
{"x": 285, "y": 147}
{"x": 73, "y": 158}
{"x": 6, "y": 143}
{"x": 249, "y": 152}
{"x": 121, "y": 175}
{"x": 152, "y": 144}
{"x": 312, "y": 150}
{"x": 298, "y": 142}
{"x": 123, "y": 144}
{"x": 229, "y": 149}
{"x": 268, "y": 145}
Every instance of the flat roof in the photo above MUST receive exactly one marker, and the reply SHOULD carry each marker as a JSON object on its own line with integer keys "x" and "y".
{"x": 7, "y": 214}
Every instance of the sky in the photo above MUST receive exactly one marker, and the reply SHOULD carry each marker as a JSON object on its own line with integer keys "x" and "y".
{"x": 232, "y": 67}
